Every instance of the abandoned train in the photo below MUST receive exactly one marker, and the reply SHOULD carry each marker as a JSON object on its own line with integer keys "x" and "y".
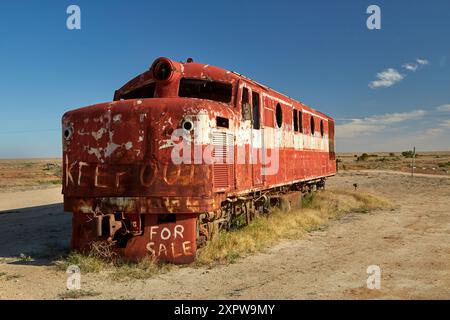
{"x": 185, "y": 150}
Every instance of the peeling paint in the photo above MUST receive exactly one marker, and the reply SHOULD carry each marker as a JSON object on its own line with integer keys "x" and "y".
{"x": 166, "y": 144}
{"x": 128, "y": 145}
{"x": 110, "y": 148}
{"x": 97, "y": 152}
{"x": 117, "y": 118}
{"x": 98, "y": 134}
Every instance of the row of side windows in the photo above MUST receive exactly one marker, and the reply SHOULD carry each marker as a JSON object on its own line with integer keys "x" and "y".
{"x": 297, "y": 119}
{"x": 253, "y": 113}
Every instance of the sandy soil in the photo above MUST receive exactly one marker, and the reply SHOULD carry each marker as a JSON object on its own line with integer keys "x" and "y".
{"x": 9, "y": 201}
{"x": 411, "y": 245}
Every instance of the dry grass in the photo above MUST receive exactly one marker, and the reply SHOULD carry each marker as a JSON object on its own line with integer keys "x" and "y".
{"x": 144, "y": 269}
{"x": 86, "y": 262}
{"x": 115, "y": 267}
{"x": 9, "y": 277}
{"x": 77, "y": 294}
{"x": 265, "y": 231}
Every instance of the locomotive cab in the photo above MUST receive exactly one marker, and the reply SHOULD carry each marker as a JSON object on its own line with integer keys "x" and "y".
{"x": 124, "y": 180}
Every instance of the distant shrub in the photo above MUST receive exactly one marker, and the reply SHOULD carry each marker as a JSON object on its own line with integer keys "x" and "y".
{"x": 408, "y": 154}
{"x": 444, "y": 165}
{"x": 391, "y": 154}
{"x": 363, "y": 157}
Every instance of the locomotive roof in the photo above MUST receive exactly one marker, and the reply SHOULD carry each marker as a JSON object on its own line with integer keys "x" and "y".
{"x": 206, "y": 71}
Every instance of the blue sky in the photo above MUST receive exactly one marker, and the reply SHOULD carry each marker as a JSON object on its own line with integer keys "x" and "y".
{"x": 320, "y": 52}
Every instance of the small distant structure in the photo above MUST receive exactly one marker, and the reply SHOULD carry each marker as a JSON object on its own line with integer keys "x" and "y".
{"x": 51, "y": 166}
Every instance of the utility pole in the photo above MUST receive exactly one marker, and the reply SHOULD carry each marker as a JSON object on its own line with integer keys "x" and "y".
{"x": 413, "y": 162}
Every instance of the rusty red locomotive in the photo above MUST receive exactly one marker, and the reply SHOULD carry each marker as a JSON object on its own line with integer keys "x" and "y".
{"x": 185, "y": 150}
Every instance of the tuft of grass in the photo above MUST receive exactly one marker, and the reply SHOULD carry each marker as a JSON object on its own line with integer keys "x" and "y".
{"x": 13, "y": 276}
{"x": 77, "y": 294}
{"x": 25, "y": 258}
{"x": 318, "y": 209}
{"x": 144, "y": 269}
{"x": 117, "y": 268}
{"x": 86, "y": 262}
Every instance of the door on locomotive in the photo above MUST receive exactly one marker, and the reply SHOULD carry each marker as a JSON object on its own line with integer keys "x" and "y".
{"x": 257, "y": 140}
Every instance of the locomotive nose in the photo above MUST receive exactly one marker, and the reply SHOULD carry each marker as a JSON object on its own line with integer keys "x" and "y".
{"x": 109, "y": 133}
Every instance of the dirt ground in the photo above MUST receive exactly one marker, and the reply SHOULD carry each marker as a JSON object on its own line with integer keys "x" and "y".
{"x": 28, "y": 174}
{"x": 9, "y": 201}
{"x": 425, "y": 162}
{"x": 411, "y": 245}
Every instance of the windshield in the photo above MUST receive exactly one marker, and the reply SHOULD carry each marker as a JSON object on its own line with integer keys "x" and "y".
{"x": 146, "y": 91}
{"x": 205, "y": 89}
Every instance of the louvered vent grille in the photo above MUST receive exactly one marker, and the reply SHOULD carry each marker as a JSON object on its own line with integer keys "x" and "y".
{"x": 222, "y": 171}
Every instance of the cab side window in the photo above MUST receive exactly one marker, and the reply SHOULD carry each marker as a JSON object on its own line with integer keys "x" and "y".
{"x": 245, "y": 105}
{"x": 256, "y": 111}
{"x": 300, "y": 121}
{"x": 295, "y": 119}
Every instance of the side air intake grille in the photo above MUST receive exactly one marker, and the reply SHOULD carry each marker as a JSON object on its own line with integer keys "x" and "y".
{"x": 223, "y": 175}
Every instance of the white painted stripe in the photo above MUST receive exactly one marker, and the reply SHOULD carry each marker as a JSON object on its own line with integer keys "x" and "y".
{"x": 277, "y": 99}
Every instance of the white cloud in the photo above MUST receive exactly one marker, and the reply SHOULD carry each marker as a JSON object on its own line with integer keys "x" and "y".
{"x": 445, "y": 124}
{"x": 374, "y": 124}
{"x": 410, "y": 66}
{"x": 427, "y": 130}
{"x": 398, "y": 117}
{"x": 422, "y": 61}
{"x": 433, "y": 132}
{"x": 386, "y": 78}
{"x": 444, "y": 108}
{"x": 391, "y": 76}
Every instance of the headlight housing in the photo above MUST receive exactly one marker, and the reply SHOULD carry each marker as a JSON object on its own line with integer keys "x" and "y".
{"x": 187, "y": 125}
{"x": 162, "y": 69}
{"x": 67, "y": 132}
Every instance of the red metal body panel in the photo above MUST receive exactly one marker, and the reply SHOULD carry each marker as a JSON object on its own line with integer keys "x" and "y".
{"x": 118, "y": 158}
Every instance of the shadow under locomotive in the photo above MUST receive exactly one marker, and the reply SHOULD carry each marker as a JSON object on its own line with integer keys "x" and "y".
{"x": 34, "y": 235}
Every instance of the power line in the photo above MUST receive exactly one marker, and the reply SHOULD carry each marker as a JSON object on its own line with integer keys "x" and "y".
{"x": 28, "y": 131}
